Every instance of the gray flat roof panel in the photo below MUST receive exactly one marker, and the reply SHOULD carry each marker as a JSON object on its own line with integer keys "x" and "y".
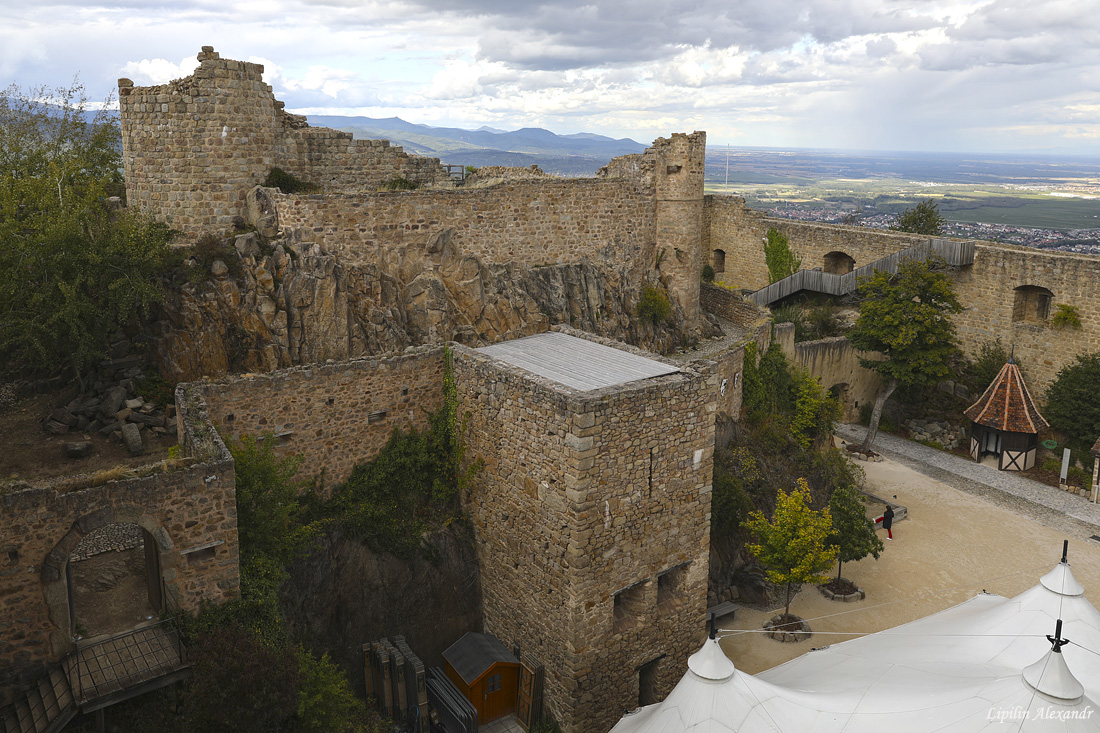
{"x": 578, "y": 363}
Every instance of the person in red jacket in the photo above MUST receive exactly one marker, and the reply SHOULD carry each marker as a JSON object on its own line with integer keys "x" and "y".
{"x": 888, "y": 522}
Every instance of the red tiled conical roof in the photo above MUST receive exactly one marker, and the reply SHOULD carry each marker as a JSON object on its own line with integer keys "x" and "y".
{"x": 1007, "y": 405}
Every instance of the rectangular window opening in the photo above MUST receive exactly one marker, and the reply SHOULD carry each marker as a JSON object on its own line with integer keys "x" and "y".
{"x": 629, "y": 606}
{"x": 672, "y": 586}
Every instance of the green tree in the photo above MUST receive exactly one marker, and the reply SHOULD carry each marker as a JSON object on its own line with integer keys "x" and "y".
{"x": 71, "y": 270}
{"x": 992, "y": 356}
{"x": 240, "y": 683}
{"x": 778, "y": 256}
{"x": 905, "y": 318}
{"x": 270, "y": 509}
{"x": 794, "y": 545}
{"x": 853, "y": 533}
{"x": 326, "y": 703}
{"x": 924, "y": 218}
{"x": 1071, "y": 404}
{"x": 815, "y": 412}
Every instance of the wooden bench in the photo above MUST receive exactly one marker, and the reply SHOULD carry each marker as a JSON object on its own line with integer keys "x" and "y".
{"x": 728, "y": 608}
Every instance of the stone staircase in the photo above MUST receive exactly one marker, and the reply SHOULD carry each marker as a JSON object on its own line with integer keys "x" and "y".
{"x": 99, "y": 674}
{"x": 955, "y": 253}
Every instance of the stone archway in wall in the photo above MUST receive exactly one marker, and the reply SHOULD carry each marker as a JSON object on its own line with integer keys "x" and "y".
{"x": 114, "y": 580}
{"x": 838, "y": 263}
{"x": 849, "y": 412}
{"x": 57, "y": 577}
{"x": 719, "y": 261}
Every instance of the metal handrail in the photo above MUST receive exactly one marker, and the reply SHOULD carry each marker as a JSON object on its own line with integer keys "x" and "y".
{"x": 82, "y": 652}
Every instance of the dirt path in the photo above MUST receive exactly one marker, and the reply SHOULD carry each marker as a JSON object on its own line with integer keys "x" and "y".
{"x": 952, "y": 545}
{"x": 110, "y": 592}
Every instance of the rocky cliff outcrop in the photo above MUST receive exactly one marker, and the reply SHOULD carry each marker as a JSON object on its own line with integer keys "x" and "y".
{"x": 292, "y": 303}
{"x": 344, "y": 595}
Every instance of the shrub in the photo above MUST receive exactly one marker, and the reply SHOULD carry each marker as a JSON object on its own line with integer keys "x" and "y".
{"x": 1066, "y": 316}
{"x": 288, "y": 182}
{"x": 778, "y": 256}
{"x": 653, "y": 305}
{"x": 414, "y": 481}
{"x": 708, "y": 274}
{"x": 399, "y": 184}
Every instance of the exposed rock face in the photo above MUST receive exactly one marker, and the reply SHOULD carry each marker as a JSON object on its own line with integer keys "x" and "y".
{"x": 297, "y": 304}
{"x": 344, "y": 595}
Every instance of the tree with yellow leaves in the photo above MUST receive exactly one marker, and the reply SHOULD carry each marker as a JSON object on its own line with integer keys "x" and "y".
{"x": 794, "y": 544}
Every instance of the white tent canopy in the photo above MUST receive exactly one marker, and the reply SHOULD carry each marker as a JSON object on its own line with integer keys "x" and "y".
{"x": 975, "y": 667}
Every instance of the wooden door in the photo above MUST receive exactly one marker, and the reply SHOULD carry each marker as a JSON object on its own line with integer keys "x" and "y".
{"x": 523, "y": 695}
{"x": 498, "y": 693}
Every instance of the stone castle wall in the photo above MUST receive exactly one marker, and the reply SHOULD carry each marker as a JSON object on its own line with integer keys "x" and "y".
{"x": 586, "y": 496}
{"x": 333, "y": 415}
{"x": 987, "y": 289}
{"x": 756, "y": 326}
{"x": 834, "y": 362}
{"x": 192, "y": 148}
{"x": 190, "y": 513}
{"x": 534, "y": 222}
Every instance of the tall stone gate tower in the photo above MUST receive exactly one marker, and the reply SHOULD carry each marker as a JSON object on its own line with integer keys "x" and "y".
{"x": 592, "y": 514}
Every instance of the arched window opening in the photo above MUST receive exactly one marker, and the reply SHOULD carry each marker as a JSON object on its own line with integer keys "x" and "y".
{"x": 1031, "y": 304}
{"x": 839, "y": 263}
{"x": 719, "y": 260}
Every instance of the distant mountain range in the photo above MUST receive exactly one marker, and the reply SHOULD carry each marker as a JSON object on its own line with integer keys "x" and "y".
{"x": 579, "y": 154}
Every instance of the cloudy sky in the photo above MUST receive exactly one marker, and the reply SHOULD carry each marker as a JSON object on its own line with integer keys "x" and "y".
{"x": 936, "y": 75}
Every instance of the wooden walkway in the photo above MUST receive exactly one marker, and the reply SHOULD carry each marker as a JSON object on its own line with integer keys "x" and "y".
{"x": 955, "y": 253}
{"x": 99, "y": 674}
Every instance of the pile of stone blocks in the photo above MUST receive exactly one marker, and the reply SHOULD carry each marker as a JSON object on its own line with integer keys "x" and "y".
{"x": 112, "y": 408}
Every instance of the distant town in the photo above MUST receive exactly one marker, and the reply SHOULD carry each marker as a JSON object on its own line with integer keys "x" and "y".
{"x": 1082, "y": 241}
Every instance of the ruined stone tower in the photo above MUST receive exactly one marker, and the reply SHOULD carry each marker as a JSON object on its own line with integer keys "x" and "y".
{"x": 194, "y": 147}
{"x": 679, "y": 186}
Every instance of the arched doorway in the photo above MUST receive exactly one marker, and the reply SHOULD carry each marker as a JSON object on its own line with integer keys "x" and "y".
{"x": 838, "y": 263}
{"x": 842, "y": 394}
{"x": 719, "y": 260}
{"x": 114, "y": 580}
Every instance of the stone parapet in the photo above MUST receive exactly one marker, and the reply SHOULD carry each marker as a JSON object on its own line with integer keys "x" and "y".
{"x": 331, "y": 415}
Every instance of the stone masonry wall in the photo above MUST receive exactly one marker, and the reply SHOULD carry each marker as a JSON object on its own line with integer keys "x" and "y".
{"x": 584, "y": 495}
{"x": 330, "y": 414}
{"x": 987, "y": 289}
{"x": 192, "y": 148}
{"x": 534, "y": 222}
{"x": 833, "y": 362}
{"x": 755, "y": 323}
{"x": 190, "y": 509}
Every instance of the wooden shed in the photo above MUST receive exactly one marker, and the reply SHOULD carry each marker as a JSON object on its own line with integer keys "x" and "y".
{"x": 1006, "y": 422}
{"x": 485, "y": 672}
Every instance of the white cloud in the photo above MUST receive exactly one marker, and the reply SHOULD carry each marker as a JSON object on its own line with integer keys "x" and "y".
{"x": 158, "y": 71}
{"x": 942, "y": 74}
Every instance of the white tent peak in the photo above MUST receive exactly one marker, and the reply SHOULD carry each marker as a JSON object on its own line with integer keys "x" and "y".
{"x": 711, "y": 663}
{"x": 1052, "y": 676}
{"x": 1060, "y": 580}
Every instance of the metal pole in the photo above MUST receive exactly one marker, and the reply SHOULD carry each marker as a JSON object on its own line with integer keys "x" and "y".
{"x": 726, "y": 188}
